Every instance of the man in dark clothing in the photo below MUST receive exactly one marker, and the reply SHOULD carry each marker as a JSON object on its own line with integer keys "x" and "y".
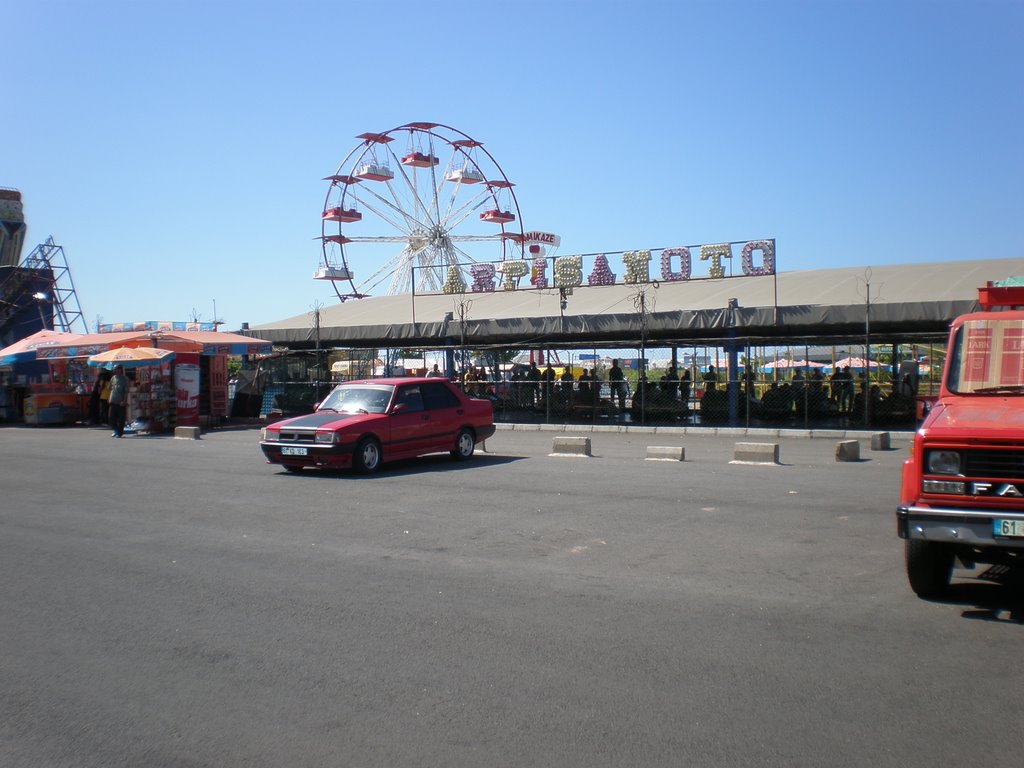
{"x": 710, "y": 379}
{"x": 618, "y": 384}
{"x": 118, "y": 401}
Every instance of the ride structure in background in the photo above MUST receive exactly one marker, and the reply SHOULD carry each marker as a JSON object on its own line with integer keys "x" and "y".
{"x": 420, "y": 210}
{"x": 39, "y": 294}
{"x": 66, "y": 311}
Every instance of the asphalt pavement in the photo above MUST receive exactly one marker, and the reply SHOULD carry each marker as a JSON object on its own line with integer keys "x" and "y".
{"x": 179, "y": 603}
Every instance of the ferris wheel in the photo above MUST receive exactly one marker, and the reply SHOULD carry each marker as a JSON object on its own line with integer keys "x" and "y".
{"x": 408, "y": 205}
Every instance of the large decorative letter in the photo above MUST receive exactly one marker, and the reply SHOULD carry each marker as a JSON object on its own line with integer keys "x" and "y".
{"x": 601, "y": 274}
{"x": 483, "y": 277}
{"x": 767, "y": 249}
{"x": 538, "y": 274}
{"x": 684, "y": 264}
{"x": 568, "y": 271}
{"x": 454, "y": 283}
{"x": 638, "y": 266}
{"x": 511, "y": 272}
{"x": 716, "y": 253}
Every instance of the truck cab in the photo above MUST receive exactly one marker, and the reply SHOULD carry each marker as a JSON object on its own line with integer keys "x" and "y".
{"x": 962, "y": 497}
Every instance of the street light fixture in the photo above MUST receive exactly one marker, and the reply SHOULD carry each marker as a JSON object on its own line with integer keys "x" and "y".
{"x": 41, "y": 298}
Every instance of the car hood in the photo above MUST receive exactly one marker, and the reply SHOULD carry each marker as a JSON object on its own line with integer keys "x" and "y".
{"x": 980, "y": 414}
{"x": 327, "y": 419}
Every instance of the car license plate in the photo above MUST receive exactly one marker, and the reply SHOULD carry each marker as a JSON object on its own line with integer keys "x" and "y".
{"x": 287, "y": 450}
{"x": 1007, "y": 527}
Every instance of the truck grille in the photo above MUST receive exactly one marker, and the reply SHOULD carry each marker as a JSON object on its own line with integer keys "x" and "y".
{"x": 994, "y": 463}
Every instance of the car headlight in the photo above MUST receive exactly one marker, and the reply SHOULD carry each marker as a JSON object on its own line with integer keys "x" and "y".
{"x": 330, "y": 438}
{"x": 943, "y": 462}
{"x": 269, "y": 434}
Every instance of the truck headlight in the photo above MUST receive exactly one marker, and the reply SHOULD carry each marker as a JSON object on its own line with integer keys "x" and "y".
{"x": 943, "y": 463}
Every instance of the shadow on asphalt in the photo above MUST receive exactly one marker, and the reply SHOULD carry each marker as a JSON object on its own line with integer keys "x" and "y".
{"x": 997, "y": 594}
{"x": 434, "y": 464}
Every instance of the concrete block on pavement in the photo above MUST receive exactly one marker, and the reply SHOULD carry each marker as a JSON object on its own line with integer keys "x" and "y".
{"x": 848, "y": 450}
{"x": 186, "y": 433}
{"x": 666, "y": 453}
{"x": 880, "y": 441}
{"x": 569, "y": 445}
{"x": 756, "y": 453}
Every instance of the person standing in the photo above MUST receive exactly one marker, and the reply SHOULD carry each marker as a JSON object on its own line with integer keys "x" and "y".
{"x": 549, "y": 382}
{"x": 469, "y": 379}
{"x": 835, "y": 383}
{"x": 670, "y": 382}
{"x": 617, "y": 381}
{"x": 118, "y": 400}
{"x": 710, "y": 379}
{"x": 104, "y": 395}
{"x": 94, "y": 401}
{"x": 515, "y": 387}
{"x": 567, "y": 379}
{"x": 846, "y": 403}
{"x": 533, "y": 376}
{"x": 584, "y": 388}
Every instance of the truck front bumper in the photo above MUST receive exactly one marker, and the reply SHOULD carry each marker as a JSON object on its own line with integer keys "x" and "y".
{"x": 967, "y": 527}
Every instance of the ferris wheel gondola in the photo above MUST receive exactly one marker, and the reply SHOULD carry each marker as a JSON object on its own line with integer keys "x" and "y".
{"x": 410, "y": 219}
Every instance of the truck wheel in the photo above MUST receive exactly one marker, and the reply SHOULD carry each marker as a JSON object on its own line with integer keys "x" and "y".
{"x": 366, "y": 458}
{"x": 464, "y": 445}
{"x": 929, "y": 567}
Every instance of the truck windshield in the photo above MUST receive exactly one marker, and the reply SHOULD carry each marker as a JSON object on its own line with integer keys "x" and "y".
{"x": 987, "y": 357}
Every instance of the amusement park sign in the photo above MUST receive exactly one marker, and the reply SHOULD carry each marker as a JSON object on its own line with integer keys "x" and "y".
{"x": 757, "y": 257}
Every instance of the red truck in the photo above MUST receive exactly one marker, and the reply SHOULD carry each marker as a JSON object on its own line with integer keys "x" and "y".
{"x": 962, "y": 496}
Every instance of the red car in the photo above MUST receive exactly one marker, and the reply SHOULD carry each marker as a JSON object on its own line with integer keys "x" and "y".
{"x": 362, "y": 424}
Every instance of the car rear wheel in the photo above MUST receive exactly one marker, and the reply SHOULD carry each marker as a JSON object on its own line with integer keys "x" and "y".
{"x": 367, "y": 456}
{"x": 929, "y": 567}
{"x": 464, "y": 445}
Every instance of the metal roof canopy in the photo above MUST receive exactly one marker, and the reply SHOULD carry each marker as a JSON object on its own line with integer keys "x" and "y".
{"x": 815, "y": 306}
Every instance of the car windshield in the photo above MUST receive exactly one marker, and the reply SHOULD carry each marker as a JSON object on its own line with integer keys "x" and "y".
{"x": 987, "y": 358}
{"x": 358, "y": 398}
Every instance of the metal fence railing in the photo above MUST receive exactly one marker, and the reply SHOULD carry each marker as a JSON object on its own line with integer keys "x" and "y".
{"x": 797, "y": 387}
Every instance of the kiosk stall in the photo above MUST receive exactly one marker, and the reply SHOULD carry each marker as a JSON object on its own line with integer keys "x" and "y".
{"x": 190, "y": 389}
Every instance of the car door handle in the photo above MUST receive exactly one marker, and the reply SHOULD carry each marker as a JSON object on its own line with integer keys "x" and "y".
{"x": 459, "y": 411}
{"x": 425, "y": 417}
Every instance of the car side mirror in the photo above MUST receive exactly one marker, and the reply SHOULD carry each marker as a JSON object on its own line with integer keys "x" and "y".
{"x": 400, "y": 408}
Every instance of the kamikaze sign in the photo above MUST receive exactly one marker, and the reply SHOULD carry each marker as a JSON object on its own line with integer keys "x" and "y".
{"x": 757, "y": 257}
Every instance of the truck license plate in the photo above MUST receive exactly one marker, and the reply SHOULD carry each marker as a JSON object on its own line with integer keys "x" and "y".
{"x": 1007, "y": 527}
{"x": 289, "y": 451}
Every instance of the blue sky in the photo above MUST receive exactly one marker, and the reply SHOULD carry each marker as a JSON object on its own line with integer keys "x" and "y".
{"x": 177, "y": 149}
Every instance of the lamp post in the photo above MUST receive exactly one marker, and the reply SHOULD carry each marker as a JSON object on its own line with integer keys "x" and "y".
{"x": 42, "y": 298}
{"x": 867, "y": 347}
{"x": 732, "y": 385}
{"x": 319, "y": 371}
{"x": 641, "y": 305}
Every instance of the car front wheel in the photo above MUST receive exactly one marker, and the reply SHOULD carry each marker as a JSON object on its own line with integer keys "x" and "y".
{"x": 929, "y": 567}
{"x": 367, "y": 456}
{"x": 464, "y": 445}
